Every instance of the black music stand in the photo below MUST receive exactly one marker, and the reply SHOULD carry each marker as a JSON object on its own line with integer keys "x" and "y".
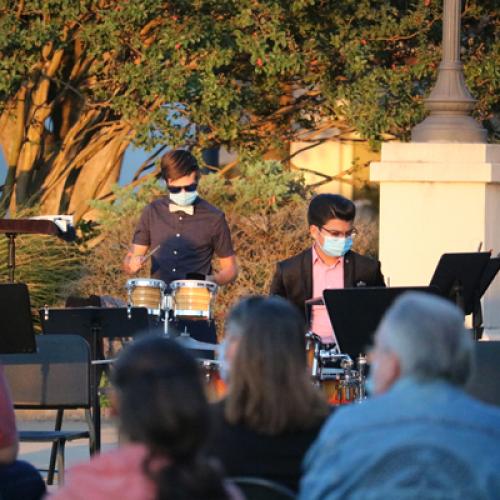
{"x": 458, "y": 276}
{"x": 356, "y": 312}
{"x": 489, "y": 274}
{"x": 95, "y": 323}
{"x": 16, "y": 333}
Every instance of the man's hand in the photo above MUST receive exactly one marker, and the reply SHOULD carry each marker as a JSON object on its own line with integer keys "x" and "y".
{"x": 228, "y": 271}
{"x": 134, "y": 260}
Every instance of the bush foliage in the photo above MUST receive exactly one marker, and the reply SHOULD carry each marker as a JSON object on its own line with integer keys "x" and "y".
{"x": 80, "y": 80}
{"x": 48, "y": 265}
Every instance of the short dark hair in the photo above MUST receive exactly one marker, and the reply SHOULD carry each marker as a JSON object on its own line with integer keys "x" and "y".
{"x": 324, "y": 207}
{"x": 270, "y": 389}
{"x": 178, "y": 163}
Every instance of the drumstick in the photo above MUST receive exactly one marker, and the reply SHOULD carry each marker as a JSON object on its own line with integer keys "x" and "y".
{"x": 146, "y": 257}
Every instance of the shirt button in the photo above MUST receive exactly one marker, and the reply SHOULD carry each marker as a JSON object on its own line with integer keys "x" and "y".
{"x": 178, "y": 235}
{"x": 175, "y": 252}
{"x": 173, "y": 270}
{"x": 180, "y": 217}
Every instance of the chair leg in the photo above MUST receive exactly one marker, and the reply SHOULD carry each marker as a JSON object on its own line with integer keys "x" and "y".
{"x": 54, "y": 450}
{"x": 90, "y": 425}
{"x": 60, "y": 461}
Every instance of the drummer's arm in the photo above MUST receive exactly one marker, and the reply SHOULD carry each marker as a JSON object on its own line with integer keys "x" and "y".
{"x": 228, "y": 270}
{"x": 134, "y": 259}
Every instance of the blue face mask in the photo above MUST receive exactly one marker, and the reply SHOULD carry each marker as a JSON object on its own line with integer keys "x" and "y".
{"x": 184, "y": 198}
{"x": 336, "y": 247}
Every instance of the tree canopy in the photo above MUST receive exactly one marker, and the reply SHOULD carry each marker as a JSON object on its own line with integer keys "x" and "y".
{"x": 81, "y": 80}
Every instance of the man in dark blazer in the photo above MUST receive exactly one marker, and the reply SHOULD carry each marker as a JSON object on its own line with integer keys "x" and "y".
{"x": 329, "y": 263}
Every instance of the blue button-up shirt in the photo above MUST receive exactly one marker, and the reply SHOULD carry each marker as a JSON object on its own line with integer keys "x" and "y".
{"x": 420, "y": 440}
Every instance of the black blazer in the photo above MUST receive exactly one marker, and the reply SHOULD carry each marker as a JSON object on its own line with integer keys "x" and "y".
{"x": 293, "y": 277}
{"x": 245, "y": 452}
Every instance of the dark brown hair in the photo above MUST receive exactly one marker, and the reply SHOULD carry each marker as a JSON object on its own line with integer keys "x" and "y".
{"x": 162, "y": 405}
{"x": 326, "y": 206}
{"x": 178, "y": 163}
{"x": 270, "y": 390}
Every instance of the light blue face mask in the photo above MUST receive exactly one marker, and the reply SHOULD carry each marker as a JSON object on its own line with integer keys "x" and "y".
{"x": 184, "y": 198}
{"x": 336, "y": 247}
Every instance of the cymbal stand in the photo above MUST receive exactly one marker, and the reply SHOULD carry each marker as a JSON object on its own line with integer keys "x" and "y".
{"x": 361, "y": 365}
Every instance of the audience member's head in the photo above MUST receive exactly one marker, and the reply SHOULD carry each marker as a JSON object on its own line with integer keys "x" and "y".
{"x": 270, "y": 389}
{"x": 421, "y": 336}
{"x": 161, "y": 404}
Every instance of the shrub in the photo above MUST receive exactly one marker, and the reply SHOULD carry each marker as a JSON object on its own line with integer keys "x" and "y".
{"x": 47, "y": 265}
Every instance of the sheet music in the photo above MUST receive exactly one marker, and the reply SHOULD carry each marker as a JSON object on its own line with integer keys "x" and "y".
{"x": 63, "y": 222}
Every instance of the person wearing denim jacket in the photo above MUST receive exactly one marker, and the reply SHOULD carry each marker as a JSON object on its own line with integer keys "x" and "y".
{"x": 420, "y": 437}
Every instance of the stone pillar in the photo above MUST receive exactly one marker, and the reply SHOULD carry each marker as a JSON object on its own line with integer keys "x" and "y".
{"x": 438, "y": 198}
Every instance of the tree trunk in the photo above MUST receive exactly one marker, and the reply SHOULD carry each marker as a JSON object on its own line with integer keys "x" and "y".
{"x": 60, "y": 154}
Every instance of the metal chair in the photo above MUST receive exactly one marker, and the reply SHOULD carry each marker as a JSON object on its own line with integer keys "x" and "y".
{"x": 257, "y": 488}
{"x": 483, "y": 382}
{"x": 56, "y": 377}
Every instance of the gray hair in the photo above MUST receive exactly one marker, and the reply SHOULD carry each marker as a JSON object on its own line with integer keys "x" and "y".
{"x": 427, "y": 334}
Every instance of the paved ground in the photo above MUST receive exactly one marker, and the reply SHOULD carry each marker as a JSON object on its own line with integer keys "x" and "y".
{"x": 77, "y": 451}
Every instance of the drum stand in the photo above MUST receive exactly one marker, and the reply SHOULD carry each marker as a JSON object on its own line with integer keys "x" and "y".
{"x": 166, "y": 321}
{"x": 352, "y": 379}
{"x": 361, "y": 365}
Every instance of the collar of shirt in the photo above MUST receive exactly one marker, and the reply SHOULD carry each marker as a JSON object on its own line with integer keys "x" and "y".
{"x": 317, "y": 259}
{"x": 188, "y": 209}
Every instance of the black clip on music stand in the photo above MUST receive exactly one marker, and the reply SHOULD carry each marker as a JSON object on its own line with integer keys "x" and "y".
{"x": 16, "y": 333}
{"x": 95, "y": 323}
{"x": 458, "y": 276}
{"x": 356, "y": 312}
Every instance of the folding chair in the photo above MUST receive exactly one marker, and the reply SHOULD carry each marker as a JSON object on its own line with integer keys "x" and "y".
{"x": 257, "y": 488}
{"x": 57, "y": 377}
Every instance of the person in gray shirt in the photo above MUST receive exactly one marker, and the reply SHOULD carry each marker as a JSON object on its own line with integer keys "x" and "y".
{"x": 421, "y": 436}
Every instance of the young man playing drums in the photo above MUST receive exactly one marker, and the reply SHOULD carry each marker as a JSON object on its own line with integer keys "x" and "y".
{"x": 184, "y": 231}
{"x": 329, "y": 263}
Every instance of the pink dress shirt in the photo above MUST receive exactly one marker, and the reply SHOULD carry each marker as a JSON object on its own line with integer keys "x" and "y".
{"x": 116, "y": 474}
{"x": 324, "y": 276}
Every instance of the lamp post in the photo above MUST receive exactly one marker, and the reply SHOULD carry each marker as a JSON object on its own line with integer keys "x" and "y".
{"x": 450, "y": 102}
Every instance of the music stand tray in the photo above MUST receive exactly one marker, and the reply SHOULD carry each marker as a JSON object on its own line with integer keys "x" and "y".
{"x": 16, "y": 333}
{"x": 111, "y": 322}
{"x": 356, "y": 312}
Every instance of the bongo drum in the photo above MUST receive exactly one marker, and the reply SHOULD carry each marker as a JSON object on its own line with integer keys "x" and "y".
{"x": 192, "y": 299}
{"x": 146, "y": 292}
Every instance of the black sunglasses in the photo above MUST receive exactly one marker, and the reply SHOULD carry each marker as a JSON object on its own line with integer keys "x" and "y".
{"x": 177, "y": 189}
